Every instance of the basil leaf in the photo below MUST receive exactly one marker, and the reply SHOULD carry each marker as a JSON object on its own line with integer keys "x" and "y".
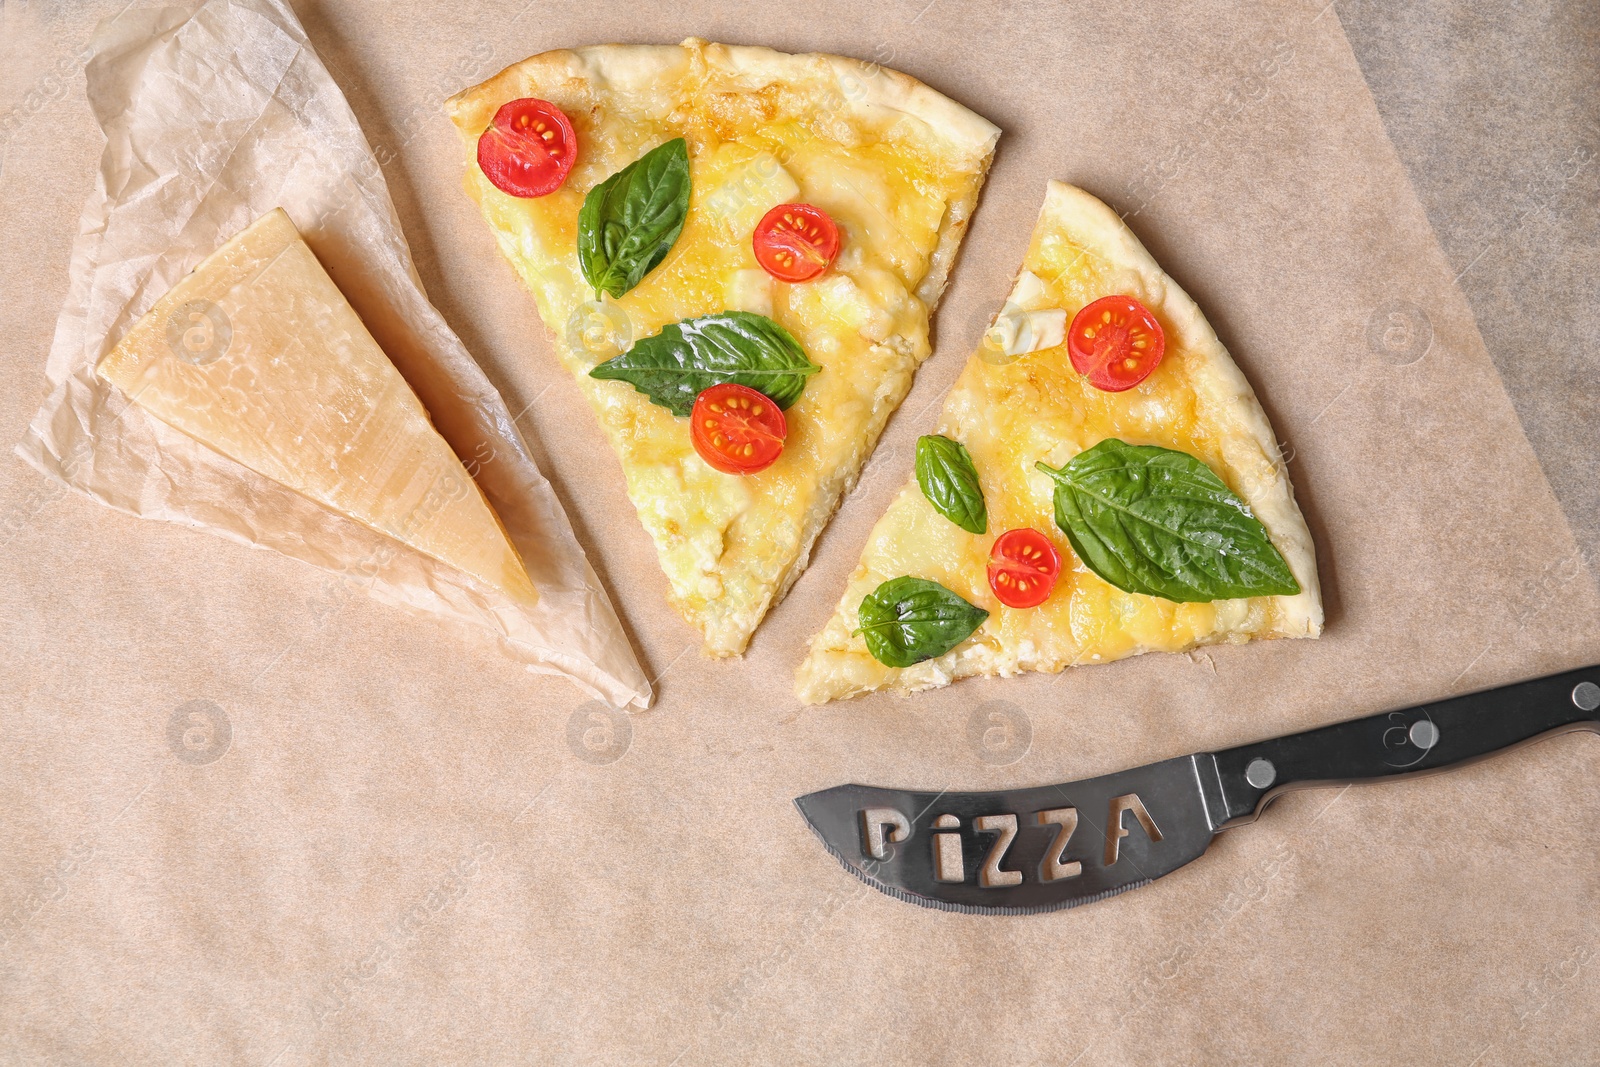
{"x": 907, "y": 620}
{"x": 629, "y": 221}
{"x": 950, "y": 482}
{"x": 1154, "y": 521}
{"x": 675, "y": 365}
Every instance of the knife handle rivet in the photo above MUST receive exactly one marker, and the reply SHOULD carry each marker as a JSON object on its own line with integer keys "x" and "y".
{"x": 1424, "y": 733}
{"x": 1586, "y": 695}
{"x": 1261, "y": 773}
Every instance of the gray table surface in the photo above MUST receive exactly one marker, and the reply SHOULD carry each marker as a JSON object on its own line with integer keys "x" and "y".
{"x": 1495, "y": 112}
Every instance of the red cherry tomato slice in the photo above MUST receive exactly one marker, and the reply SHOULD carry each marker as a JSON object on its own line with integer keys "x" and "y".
{"x": 736, "y": 429}
{"x": 1023, "y": 568}
{"x": 795, "y": 242}
{"x": 1116, "y": 343}
{"x": 528, "y": 149}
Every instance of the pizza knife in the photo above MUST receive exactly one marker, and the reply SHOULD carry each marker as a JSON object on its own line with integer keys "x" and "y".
{"x": 1019, "y": 851}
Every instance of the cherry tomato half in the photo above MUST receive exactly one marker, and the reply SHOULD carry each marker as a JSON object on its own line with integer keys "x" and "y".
{"x": 736, "y": 429}
{"x": 1115, "y": 342}
{"x": 528, "y": 149}
{"x": 1023, "y": 568}
{"x": 795, "y": 242}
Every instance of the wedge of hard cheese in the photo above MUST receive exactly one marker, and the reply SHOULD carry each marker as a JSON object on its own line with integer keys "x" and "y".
{"x": 258, "y": 355}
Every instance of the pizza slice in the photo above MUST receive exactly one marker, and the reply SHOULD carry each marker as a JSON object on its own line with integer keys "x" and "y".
{"x": 1103, "y": 483}
{"x": 738, "y": 251}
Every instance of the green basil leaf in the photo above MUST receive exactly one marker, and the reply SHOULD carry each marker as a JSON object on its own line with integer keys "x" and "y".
{"x": 629, "y": 222}
{"x": 907, "y": 620}
{"x": 1154, "y": 521}
{"x": 950, "y": 482}
{"x": 675, "y": 365}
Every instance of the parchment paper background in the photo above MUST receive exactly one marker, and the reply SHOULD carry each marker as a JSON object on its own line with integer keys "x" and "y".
{"x": 228, "y": 839}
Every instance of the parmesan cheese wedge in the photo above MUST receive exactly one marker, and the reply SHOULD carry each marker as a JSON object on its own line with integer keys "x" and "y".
{"x": 258, "y": 355}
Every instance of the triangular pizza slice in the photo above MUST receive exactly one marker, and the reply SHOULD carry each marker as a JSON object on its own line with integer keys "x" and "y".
{"x": 1102, "y": 483}
{"x": 257, "y": 354}
{"x": 738, "y": 251}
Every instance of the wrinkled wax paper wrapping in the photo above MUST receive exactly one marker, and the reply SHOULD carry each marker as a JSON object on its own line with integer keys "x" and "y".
{"x": 214, "y": 115}
{"x": 224, "y": 842}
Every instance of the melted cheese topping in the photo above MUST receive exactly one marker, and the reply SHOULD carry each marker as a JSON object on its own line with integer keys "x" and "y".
{"x": 1011, "y": 413}
{"x": 728, "y": 543}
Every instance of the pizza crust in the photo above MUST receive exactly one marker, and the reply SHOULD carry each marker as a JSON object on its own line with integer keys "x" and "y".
{"x": 864, "y": 93}
{"x": 838, "y": 664}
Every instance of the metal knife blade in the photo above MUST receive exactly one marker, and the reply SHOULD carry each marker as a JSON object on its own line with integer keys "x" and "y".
{"x": 1020, "y": 851}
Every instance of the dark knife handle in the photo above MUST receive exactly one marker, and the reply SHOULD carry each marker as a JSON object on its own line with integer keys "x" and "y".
{"x": 1400, "y": 744}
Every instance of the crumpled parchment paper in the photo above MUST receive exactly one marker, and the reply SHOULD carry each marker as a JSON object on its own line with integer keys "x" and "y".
{"x": 214, "y": 114}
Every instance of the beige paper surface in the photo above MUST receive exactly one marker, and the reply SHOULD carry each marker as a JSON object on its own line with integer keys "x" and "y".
{"x": 214, "y": 115}
{"x": 386, "y": 846}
